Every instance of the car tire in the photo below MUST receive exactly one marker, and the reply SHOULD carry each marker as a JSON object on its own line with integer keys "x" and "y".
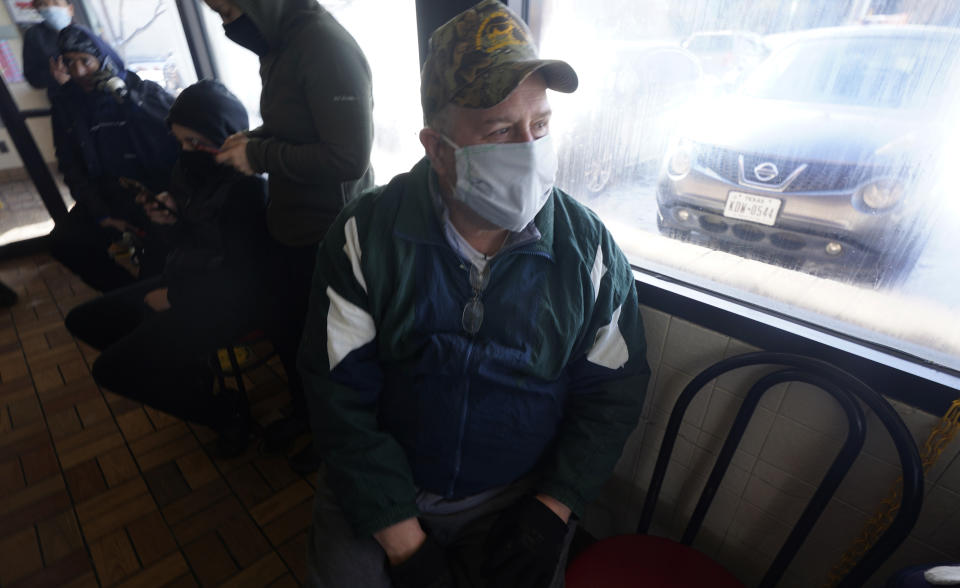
{"x": 598, "y": 174}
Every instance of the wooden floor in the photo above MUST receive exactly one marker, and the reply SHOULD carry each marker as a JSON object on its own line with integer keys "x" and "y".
{"x": 98, "y": 490}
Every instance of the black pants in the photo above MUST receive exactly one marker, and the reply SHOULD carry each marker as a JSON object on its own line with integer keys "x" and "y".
{"x": 295, "y": 275}
{"x": 80, "y": 244}
{"x": 158, "y": 358}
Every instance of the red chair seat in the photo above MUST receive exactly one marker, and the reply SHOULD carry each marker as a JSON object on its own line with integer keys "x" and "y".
{"x": 630, "y": 561}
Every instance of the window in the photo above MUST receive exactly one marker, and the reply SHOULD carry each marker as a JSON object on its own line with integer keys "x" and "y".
{"x": 238, "y": 68}
{"x": 389, "y": 42}
{"x": 148, "y": 36}
{"x": 795, "y": 156}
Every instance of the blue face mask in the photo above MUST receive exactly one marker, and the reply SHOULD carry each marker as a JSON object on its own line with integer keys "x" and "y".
{"x": 245, "y": 33}
{"x": 56, "y": 17}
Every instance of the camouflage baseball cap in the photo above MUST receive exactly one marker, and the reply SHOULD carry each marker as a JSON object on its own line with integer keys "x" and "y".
{"x": 480, "y": 56}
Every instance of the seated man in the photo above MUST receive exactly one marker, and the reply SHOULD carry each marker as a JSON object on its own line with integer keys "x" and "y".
{"x": 108, "y": 126}
{"x": 157, "y": 336}
{"x": 474, "y": 353}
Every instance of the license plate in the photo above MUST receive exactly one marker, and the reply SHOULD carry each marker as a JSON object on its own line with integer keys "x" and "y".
{"x": 750, "y": 207}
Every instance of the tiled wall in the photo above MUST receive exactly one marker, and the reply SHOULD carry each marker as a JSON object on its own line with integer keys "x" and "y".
{"x": 788, "y": 446}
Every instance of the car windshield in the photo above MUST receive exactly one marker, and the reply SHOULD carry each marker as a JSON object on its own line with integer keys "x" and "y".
{"x": 882, "y": 71}
{"x": 706, "y": 43}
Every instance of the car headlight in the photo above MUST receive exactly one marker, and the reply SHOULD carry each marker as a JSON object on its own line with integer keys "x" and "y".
{"x": 881, "y": 194}
{"x": 681, "y": 160}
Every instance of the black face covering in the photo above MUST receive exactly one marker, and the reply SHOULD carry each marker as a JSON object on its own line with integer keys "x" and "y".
{"x": 196, "y": 184}
{"x": 245, "y": 33}
{"x": 198, "y": 163}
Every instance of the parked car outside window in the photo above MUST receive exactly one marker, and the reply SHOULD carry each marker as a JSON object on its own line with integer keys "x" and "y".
{"x": 727, "y": 55}
{"x": 644, "y": 87}
{"x": 824, "y": 158}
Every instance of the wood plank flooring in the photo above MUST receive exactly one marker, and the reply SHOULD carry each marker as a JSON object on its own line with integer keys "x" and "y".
{"x": 96, "y": 490}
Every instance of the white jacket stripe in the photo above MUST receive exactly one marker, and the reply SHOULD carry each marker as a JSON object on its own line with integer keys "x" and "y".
{"x": 609, "y": 348}
{"x": 596, "y": 274}
{"x": 349, "y": 328}
{"x": 352, "y": 248}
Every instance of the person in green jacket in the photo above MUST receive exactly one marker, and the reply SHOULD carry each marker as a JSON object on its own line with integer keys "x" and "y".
{"x": 314, "y": 143}
{"x": 474, "y": 355}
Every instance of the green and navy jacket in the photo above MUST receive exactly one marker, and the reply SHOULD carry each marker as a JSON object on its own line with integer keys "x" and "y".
{"x": 403, "y": 399}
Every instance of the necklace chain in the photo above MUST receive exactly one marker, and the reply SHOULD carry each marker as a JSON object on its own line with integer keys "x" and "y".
{"x": 497, "y": 250}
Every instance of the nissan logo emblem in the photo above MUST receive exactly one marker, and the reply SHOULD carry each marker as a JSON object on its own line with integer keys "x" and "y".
{"x": 766, "y": 171}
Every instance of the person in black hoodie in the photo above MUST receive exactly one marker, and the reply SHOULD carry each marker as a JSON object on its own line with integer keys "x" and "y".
{"x": 157, "y": 336}
{"x": 110, "y": 135}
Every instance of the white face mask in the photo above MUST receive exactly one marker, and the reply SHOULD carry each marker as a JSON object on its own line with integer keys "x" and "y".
{"x": 506, "y": 183}
{"x": 58, "y": 17}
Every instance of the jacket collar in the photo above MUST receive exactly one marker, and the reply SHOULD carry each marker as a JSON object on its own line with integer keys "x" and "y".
{"x": 417, "y": 219}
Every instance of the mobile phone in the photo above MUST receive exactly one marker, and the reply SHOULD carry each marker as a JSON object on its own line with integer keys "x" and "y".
{"x": 200, "y": 146}
{"x": 139, "y": 188}
{"x": 151, "y": 197}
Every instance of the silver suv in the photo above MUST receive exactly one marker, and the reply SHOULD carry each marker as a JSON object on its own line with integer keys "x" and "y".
{"x": 822, "y": 158}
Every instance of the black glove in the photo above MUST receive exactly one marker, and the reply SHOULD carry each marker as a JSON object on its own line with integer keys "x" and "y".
{"x": 524, "y": 546}
{"x": 427, "y": 568}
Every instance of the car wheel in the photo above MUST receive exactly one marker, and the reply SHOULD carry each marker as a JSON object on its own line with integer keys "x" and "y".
{"x": 597, "y": 174}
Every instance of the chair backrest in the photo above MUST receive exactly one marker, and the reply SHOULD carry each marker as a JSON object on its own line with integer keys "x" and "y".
{"x": 846, "y": 389}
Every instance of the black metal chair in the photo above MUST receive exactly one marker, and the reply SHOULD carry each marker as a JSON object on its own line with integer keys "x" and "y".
{"x": 637, "y": 560}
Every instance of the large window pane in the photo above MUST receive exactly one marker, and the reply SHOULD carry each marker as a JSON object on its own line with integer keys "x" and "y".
{"x": 796, "y": 155}
{"x": 22, "y": 212}
{"x": 148, "y": 35}
{"x": 237, "y": 67}
{"x": 389, "y": 42}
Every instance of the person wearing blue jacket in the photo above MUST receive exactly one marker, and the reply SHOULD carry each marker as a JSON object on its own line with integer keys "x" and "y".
{"x": 474, "y": 355}
{"x": 112, "y": 142}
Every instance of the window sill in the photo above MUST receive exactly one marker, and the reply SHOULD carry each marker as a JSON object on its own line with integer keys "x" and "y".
{"x": 904, "y": 347}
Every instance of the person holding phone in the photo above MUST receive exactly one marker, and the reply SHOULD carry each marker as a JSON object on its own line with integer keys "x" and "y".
{"x": 157, "y": 336}
{"x": 315, "y": 145}
{"x": 108, "y": 125}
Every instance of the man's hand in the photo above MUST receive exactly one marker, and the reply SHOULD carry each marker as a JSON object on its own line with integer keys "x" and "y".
{"x": 116, "y": 223}
{"x": 59, "y": 71}
{"x": 525, "y": 543}
{"x": 234, "y": 153}
{"x": 157, "y": 299}
{"x": 401, "y": 540}
{"x": 426, "y": 568}
{"x": 161, "y": 209}
{"x": 560, "y": 509}
{"x": 416, "y": 560}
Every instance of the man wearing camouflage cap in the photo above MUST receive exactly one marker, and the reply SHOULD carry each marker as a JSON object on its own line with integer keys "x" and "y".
{"x": 474, "y": 354}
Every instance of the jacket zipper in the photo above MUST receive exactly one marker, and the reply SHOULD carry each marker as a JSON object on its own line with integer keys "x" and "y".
{"x": 461, "y": 432}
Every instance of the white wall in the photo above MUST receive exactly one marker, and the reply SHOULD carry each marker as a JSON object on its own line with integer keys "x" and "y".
{"x": 788, "y": 446}
{"x": 26, "y": 97}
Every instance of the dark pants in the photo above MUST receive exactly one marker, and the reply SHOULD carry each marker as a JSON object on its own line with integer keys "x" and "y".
{"x": 337, "y": 557}
{"x": 158, "y": 358}
{"x": 295, "y": 276}
{"x": 81, "y": 244}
